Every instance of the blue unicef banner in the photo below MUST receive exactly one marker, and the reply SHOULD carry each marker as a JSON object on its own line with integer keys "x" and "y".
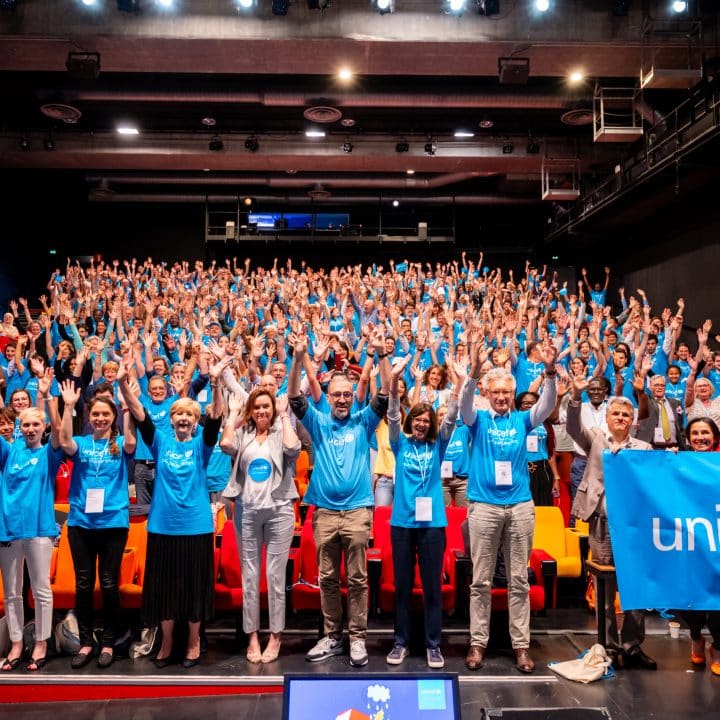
{"x": 664, "y": 516}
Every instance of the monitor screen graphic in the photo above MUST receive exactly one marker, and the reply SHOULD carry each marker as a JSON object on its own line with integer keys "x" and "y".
{"x": 391, "y": 696}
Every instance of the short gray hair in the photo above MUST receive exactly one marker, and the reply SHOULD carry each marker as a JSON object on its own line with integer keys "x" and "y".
{"x": 498, "y": 375}
{"x": 622, "y": 400}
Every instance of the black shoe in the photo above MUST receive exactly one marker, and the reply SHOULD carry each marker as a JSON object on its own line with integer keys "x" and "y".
{"x": 80, "y": 660}
{"x": 105, "y": 660}
{"x": 639, "y": 659}
{"x": 188, "y": 663}
{"x": 161, "y": 663}
{"x": 35, "y": 664}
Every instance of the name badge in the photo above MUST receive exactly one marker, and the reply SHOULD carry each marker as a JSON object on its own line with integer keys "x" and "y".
{"x": 95, "y": 500}
{"x": 423, "y": 509}
{"x": 659, "y": 437}
{"x": 503, "y": 472}
{"x": 446, "y": 469}
{"x": 531, "y": 443}
{"x": 202, "y": 396}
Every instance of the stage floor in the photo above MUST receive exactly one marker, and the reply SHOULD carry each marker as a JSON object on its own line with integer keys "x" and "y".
{"x": 673, "y": 692}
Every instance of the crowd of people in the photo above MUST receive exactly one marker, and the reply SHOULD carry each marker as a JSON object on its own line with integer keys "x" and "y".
{"x": 183, "y": 386}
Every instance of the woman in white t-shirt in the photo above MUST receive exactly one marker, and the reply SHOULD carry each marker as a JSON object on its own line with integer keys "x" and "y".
{"x": 264, "y": 446}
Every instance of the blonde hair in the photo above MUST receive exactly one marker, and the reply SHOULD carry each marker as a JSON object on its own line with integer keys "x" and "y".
{"x": 185, "y": 404}
{"x": 33, "y": 413}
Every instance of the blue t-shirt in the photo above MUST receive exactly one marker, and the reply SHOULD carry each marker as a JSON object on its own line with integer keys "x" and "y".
{"x": 458, "y": 451}
{"x": 525, "y": 371}
{"x": 95, "y": 467}
{"x": 497, "y": 438}
{"x": 541, "y": 433}
{"x": 159, "y": 413}
{"x": 676, "y": 391}
{"x": 27, "y": 490}
{"x": 341, "y": 477}
{"x": 180, "y": 503}
{"x": 218, "y": 470}
{"x": 417, "y": 474}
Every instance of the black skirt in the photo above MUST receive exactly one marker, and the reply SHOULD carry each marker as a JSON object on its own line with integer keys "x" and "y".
{"x": 179, "y": 582}
{"x": 541, "y": 482}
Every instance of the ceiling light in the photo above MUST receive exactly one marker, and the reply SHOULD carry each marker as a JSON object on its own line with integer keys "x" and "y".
{"x": 345, "y": 74}
{"x": 86, "y": 3}
{"x": 216, "y": 144}
{"x": 430, "y": 148}
{"x": 410, "y": 172}
{"x": 127, "y": 130}
{"x": 576, "y": 76}
{"x": 507, "y": 148}
{"x": 247, "y": 201}
{"x": 679, "y": 6}
{"x": 486, "y": 122}
{"x": 347, "y": 147}
{"x": 49, "y": 144}
{"x": 24, "y": 143}
{"x": 209, "y": 121}
{"x": 402, "y": 147}
{"x": 395, "y": 203}
{"x": 315, "y": 133}
{"x": 488, "y": 7}
{"x": 542, "y": 5}
{"x": 384, "y": 6}
{"x": 347, "y": 122}
{"x": 453, "y": 7}
{"x": 164, "y": 4}
{"x": 252, "y": 144}
{"x": 279, "y": 7}
{"x": 246, "y": 5}
{"x": 464, "y": 134}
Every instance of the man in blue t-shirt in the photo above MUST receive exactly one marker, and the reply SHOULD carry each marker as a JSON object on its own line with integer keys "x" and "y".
{"x": 501, "y": 508}
{"x": 341, "y": 491}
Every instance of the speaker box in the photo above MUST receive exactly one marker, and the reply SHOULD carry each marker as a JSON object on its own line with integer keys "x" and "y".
{"x": 230, "y": 230}
{"x": 513, "y": 71}
{"x": 83, "y": 66}
{"x": 422, "y": 231}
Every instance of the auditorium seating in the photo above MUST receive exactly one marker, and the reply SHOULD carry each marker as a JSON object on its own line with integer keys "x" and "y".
{"x": 560, "y": 543}
{"x": 133, "y": 568}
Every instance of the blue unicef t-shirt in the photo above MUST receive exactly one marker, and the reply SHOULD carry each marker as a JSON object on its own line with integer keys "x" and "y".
{"x": 159, "y": 413}
{"x": 458, "y": 451}
{"x": 525, "y": 371}
{"x": 94, "y": 466}
{"x": 180, "y": 503}
{"x": 499, "y": 438}
{"x": 541, "y": 433}
{"x": 417, "y": 474}
{"x": 218, "y": 470}
{"x": 341, "y": 448}
{"x": 27, "y": 490}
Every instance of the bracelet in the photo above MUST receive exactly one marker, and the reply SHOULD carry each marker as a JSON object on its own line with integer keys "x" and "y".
{"x": 550, "y": 374}
{"x": 379, "y": 356}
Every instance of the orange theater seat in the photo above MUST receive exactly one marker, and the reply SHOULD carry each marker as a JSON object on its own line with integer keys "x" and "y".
{"x": 302, "y": 472}
{"x": 228, "y": 585}
{"x": 132, "y": 571}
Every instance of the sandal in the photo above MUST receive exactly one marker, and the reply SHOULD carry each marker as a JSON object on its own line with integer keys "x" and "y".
{"x": 254, "y": 656}
{"x": 270, "y": 655}
{"x": 10, "y": 664}
{"x": 35, "y": 664}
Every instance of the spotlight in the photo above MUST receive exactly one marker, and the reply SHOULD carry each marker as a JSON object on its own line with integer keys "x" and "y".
{"x": 252, "y": 144}
{"x": 453, "y": 7}
{"x": 486, "y": 122}
{"x": 164, "y": 4}
{"x": 402, "y": 147}
{"x": 24, "y": 143}
{"x": 488, "y": 7}
{"x": 430, "y": 148}
{"x": 679, "y": 6}
{"x": 318, "y": 4}
{"x": 347, "y": 147}
{"x": 542, "y": 5}
{"x": 533, "y": 147}
{"x": 384, "y": 7}
{"x": 280, "y": 7}
{"x": 216, "y": 144}
{"x": 508, "y": 148}
{"x": 395, "y": 203}
{"x": 247, "y": 201}
{"x": 246, "y": 5}
{"x": 49, "y": 144}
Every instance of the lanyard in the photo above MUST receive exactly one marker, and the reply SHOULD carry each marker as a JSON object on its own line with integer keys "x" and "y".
{"x": 424, "y": 464}
{"x": 498, "y": 447}
{"x": 99, "y": 462}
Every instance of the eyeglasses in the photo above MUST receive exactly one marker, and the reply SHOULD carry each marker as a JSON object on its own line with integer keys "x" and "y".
{"x": 338, "y": 395}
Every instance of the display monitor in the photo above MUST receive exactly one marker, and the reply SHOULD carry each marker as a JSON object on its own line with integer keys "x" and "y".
{"x": 299, "y": 221}
{"x": 370, "y": 696}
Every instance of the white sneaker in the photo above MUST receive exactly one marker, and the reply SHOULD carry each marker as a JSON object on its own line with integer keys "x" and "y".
{"x": 324, "y": 648}
{"x": 435, "y": 658}
{"x": 358, "y": 653}
{"x": 397, "y": 655}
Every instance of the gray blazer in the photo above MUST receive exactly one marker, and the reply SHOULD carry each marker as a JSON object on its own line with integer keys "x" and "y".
{"x": 650, "y": 414}
{"x": 283, "y": 460}
{"x": 591, "y": 492}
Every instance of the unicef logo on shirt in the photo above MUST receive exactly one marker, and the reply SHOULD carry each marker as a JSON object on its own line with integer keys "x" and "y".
{"x": 33, "y": 461}
{"x": 188, "y": 453}
{"x": 259, "y": 470}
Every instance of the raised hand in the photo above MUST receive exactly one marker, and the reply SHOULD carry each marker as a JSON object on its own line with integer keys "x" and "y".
{"x": 548, "y": 356}
{"x": 399, "y": 367}
{"x": 281, "y": 405}
{"x": 70, "y": 394}
{"x": 44, "y": 381}
{"x": 579, "y": 385}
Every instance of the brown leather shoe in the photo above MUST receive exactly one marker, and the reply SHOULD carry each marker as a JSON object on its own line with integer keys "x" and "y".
{"x": 475, "y": 657}
{"x": 523, "y": 661}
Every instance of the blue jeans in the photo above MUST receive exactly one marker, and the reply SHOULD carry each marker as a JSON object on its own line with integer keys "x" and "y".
{"x": 384, "y": 490}
{"x": 429, "y": 546}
